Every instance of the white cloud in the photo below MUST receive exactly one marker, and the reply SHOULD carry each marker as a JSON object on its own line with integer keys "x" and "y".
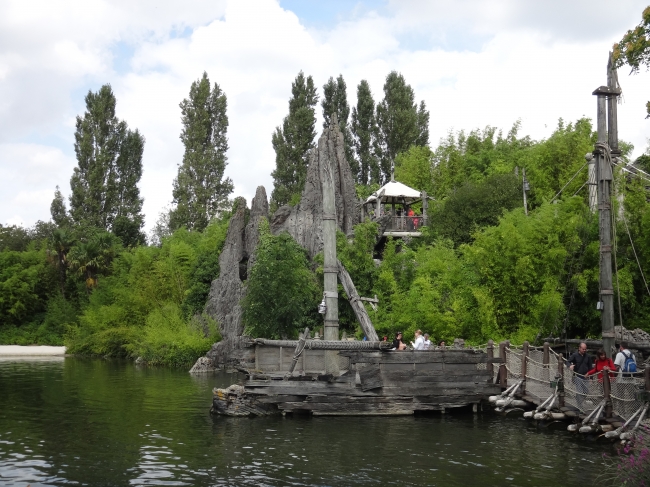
{"x": 474, "y": 63}
{"x": 29, "y": 174}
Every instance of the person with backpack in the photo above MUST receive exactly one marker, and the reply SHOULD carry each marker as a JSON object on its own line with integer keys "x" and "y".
{"x": 625, "y": 361}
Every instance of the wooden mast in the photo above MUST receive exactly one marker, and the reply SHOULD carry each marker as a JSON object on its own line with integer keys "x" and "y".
{"x": 603, "y": 153}
{"x": 330, "y": 268}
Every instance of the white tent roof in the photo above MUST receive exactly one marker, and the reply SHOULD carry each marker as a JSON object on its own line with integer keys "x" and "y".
{"x": 395, "y": 191}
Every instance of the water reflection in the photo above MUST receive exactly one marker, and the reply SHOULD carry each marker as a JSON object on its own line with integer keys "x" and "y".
{"x": 95, "y": 422}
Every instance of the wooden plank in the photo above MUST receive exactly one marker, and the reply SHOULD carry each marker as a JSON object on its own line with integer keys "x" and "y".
{"x": 371, "y": 378}
{"x": 430, "y": 366}
{"x": 391, "y": 367}
{"x": 417, "y": 356}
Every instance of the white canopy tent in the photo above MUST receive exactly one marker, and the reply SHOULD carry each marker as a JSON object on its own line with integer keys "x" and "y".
{"x": 395, "y": 192}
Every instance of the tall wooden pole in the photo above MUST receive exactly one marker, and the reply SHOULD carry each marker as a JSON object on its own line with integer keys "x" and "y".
{"x": 612, "y": 101}
{"x": 330, "y": 266}
{"x": 523, "y": 185}
{"x": 604, "y": 179}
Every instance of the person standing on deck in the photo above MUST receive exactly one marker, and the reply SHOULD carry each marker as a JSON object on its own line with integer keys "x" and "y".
{"x": 398, "y": 344}
{"x": 580, "y": 363}
{"x": 419, "y": 341}
{"x": 602, "y": 363}
{"x": 427, "y": 342}
{"x": 625, "y": 361}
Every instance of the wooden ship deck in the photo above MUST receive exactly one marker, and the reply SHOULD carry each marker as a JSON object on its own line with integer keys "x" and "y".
{"x": 371, "y": 381}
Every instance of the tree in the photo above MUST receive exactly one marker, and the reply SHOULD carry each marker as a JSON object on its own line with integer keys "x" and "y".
{"x": 634, "y": 48}
{"x": 293, "y": 141}
{"x": 200, "y": 190}
{"x": 281, "y": 292}
{"x": 62, "y": 241}
{"x": 399, "y": 121}
{"x": 414, "y": 168}
{"x": 336, "y": 101}
{"x": 364, "y": 130}
{"x": 109, "y": 157}
{"x": 58, "y": 210}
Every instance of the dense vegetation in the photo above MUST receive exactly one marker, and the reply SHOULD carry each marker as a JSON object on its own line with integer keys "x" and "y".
{"x": 482, "y": 268}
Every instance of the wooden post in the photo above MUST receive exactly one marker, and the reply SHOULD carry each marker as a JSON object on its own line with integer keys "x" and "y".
{"x": 503, "y": 372}
{"x": 425, "y": 207}
{"x": 604, "y": 173}
{"x": 330, "y": 267}
{"x": 607, "y": 391}
{"x": 523, "y": 185}
{"x": 490, "y": 355}
{"x": 612, "y": 116}
{"x": 546, "y": 358}
{"x": 524, "y": 358}
{"x": 560, "y": 372}
{"x": 357, "y": 305}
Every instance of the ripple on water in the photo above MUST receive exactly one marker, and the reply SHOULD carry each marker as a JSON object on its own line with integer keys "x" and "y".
{"x": 96, "y": 422}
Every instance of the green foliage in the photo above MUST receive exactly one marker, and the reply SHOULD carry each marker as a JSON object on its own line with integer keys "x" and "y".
{"x": 169, "y": 339}
{"x": 109, "y": 167}
{"x": 25, "y": 282}
{"x": 200, "y": 190}
{"x": 293, "y": 140}
{"x": 58, "y": 210}
{"x": 634, "y": 48}
{"x": 473, "y": 206}
{"x": 147, "y": 305}
{"x": 364, "y": 130}
{"x": 400, "y": 123}
{"x": 282, "y": 294}
{"x": 335, "y": 101}
{"x": 414, "y": 168}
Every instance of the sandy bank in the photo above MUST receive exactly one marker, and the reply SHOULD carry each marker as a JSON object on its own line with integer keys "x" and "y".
{"x": 34, "y": 351}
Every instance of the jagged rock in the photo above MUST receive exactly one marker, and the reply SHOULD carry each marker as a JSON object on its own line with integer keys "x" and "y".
{"x": 304, "y": 222}
{"x": 227, "y": 290}
{"x": 259, "y": 211}
{"x": 203, "y": 364}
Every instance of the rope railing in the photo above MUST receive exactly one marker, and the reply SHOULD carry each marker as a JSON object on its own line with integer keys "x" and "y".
{"x": 585, "y": 394}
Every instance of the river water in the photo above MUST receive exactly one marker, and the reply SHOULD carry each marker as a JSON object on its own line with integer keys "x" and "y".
{"x": 103, "y": 423}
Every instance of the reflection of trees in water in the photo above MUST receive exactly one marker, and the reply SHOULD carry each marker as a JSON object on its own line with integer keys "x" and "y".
{"x": 107, "y": 421}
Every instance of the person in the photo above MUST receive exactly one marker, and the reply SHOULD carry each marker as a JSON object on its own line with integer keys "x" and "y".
{"x": 427, "y": 342}
{"x": 625, "y": 361}
{"x": 602, "y": 363}
{"x": 398, "y": 344}
{"x": 580, "y": 363}
{"x": 442, "y": 344}
{"x": 419, "y": 341}
{"x": 409, "y": 220}
{"x": 385, "y": 339}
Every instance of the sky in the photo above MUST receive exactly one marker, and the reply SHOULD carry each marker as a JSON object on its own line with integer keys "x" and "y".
{"x": 474, "y": 62}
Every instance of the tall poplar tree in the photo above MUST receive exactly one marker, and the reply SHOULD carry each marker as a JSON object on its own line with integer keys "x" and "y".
{"x": 293, "y": 141}
{"x": 58, "y": 210}
{"x": 364, "y": 130}
{"x": 109, "y": 166}
{"x": 200, "y": 190}
{"x": 336, "y": 101}
{"x": 400, "y": 123}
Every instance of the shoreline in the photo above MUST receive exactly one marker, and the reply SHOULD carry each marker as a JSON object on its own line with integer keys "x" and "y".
{"x": 31, "y": 351}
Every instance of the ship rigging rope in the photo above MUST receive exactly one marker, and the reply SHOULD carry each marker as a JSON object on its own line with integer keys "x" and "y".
{"x": 569, "y": 182}
{"x": 635, "y": 255}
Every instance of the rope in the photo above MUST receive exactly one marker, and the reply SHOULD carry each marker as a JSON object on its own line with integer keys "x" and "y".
{"x": 635, "y": 255}
{"x": 569, "y": 182}
{"x": 618, "y": 287}
{"x": 327, "y": 344}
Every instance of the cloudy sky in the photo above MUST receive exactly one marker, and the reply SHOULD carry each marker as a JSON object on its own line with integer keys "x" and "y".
{"x": 474, "y": 62}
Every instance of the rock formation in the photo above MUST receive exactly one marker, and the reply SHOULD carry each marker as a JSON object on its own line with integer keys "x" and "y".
{"x": 304, "y": 222}
{"x": 226, "y": 291}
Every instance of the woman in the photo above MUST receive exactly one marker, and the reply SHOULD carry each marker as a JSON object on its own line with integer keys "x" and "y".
{"x": 398, "y": 344}
{"x": 601, "y": 364}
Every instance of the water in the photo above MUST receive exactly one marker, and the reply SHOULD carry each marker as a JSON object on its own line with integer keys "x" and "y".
{"x": 105, "y": 423}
